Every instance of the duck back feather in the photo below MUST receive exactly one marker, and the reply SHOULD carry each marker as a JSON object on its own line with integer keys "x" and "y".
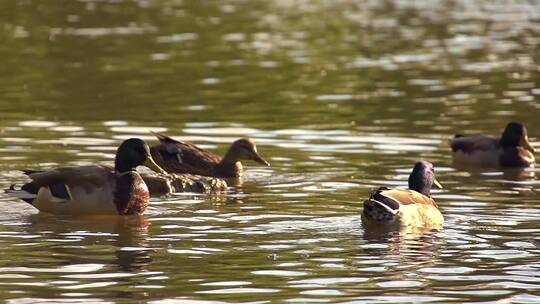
{"x": 183, "y": 157}
{"x": 483, "y": 150}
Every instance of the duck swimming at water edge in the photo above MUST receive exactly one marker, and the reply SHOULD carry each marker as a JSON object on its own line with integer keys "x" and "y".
{"x": 410, "y": 207}
{"x": 93, "y": 189}
{"x": 511, "y": 149}
{"x": 183, "y": 157}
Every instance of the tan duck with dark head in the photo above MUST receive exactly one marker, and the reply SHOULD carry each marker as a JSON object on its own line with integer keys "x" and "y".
{"x": 410, "y": 207}
{"x": 183, "y": 157}
{"x": 93, "y": 189}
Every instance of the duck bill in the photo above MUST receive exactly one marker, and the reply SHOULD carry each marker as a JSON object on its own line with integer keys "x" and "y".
{"x": 150, "y": 163}
{"x": 525, "y": 144}
{"x": 436, "y": 183}
{"x": 260, "y": 160}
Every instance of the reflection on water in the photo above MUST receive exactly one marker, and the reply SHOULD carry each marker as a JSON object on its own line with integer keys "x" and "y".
{"x": 341, "y": 96}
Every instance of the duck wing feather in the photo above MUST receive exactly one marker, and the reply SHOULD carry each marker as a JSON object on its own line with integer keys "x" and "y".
{"x": 408, "y": 197}
{"x": 470, "y": 144}
{"x": 177, "y": 156}
{"x": 82, "y": 176}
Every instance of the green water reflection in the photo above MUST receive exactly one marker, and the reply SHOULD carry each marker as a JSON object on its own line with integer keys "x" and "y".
{"x": 341, "y": 96}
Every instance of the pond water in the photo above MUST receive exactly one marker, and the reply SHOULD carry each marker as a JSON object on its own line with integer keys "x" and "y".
{"x": 340, "y": 96}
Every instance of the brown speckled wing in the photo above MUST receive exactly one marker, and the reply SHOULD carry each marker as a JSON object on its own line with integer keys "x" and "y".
{"x": 131, "y": 195}
{"x": 192, "y": 160}
{"x": 469, "y": 144}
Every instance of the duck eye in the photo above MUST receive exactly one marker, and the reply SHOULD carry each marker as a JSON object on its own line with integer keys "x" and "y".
{"x": 142, "y": 151}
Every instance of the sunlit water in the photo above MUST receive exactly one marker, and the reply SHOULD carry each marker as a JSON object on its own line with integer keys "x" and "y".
{"x": 341, "y": 97}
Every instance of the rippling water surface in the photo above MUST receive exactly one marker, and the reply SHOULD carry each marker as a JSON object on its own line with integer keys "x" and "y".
{"x": 341, "y": 97}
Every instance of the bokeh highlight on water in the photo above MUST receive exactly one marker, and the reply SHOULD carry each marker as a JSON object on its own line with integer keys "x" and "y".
{"x": 341, "y": 97}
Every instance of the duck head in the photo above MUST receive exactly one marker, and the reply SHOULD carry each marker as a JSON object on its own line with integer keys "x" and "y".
{"x": 515, "y": 135}
{"x": 423, "y": 178}
{"x": 244, "y": 149}
{"x": 134, "y": 152}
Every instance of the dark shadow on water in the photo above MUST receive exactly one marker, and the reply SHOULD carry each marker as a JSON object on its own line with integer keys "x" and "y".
{"x": 515, "y": 179}
{"x": 513, "y": 174}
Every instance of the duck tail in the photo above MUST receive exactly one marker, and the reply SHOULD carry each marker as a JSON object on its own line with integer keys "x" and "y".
{"x": 379, "y": 208}
{"x": 385, "y": 207}
{"x": 30, "y": 172}
{"x": 459, "y": 135}
{"x": 163, "y": 138}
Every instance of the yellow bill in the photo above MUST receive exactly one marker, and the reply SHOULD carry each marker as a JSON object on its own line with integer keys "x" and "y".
{"x": 436, "y": 183}
{"x": 150, "y": 163}
{"x": 260, "y": 160}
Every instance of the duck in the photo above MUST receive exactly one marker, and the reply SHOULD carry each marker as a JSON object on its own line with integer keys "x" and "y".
{"x": 511, "y": 149}
{"x": 405, "y": 207}
{"x": 184, "y": 157}
{"x": 167, "y": 184}
{"x": 92, "y": 189}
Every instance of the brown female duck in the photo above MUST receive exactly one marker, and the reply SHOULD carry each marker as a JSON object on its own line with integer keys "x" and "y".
{"x": 408, "y": 207}
{"x": 183, "y": 157}
{"x": 94, "y": 189}
{"x": 512, "y": 149}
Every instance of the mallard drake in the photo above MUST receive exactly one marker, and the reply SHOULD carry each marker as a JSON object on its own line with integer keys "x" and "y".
{"x": 93, "y": 189}
{"x": 413, "y": 206}
{"x": 183, "y": 157}
{"x": 512, "y": 149}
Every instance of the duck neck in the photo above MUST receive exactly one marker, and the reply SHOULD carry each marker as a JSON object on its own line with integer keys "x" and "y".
{"x": 507, "y": 143}
{"x": 511, "y": 137}
{"x": 420, "y": 186}
{"x": 229, "y": 165}
{"x": 122, "y": 166}
{"x": 230, "y": 157}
